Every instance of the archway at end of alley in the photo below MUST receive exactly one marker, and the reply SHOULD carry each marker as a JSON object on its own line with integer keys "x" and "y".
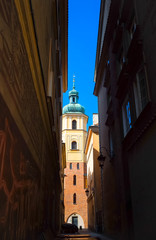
{"x": 76, "y": 219}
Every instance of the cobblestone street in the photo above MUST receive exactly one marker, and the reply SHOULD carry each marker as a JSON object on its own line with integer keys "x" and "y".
{"x": 83, "y": 235}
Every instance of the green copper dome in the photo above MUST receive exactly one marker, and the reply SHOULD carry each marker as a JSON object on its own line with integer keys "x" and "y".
{"x": 73, "y": 106}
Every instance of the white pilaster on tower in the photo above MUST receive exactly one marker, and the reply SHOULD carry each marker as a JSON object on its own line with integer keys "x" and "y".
{"x": 70, "y": 122}
{"x": 78, "y": 123}
{"x": 65, "y": 121}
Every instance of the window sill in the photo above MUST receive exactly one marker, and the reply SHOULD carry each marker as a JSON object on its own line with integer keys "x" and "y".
{"x": 141, "y": 124}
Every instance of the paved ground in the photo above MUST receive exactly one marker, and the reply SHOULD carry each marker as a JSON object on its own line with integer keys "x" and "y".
{"x": 83, "y": 235}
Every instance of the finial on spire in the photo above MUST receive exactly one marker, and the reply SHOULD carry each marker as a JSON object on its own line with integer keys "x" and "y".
{"x": 73, "y": 81}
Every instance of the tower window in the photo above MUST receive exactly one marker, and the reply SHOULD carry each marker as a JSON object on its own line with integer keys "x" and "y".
{"x": 74, "y": 198}
{"x": 74, "y": 123}
{"x": 78, "y": 167}
{"x": 70, "y": 165}
{"x": 74, "y": 145}
{"x": 73, "y": 100}
{"x": 74, "y": 180}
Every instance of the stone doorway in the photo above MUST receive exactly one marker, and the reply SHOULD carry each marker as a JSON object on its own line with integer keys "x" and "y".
{"x": 75, "y": 220}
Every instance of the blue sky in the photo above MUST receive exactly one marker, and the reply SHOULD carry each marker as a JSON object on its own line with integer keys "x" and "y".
{"x": 82, "y": 41}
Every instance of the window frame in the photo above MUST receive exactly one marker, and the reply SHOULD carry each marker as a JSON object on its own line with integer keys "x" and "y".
{"x": 74, "y": 198}
{"x": 126, "y": 116}
{"x": 74, "y": 124}
{"x": 137, "y": 88}
{"x": 137, "y": 100}
{"x": 111, "y": 144}
{"x": 74, "y": 180}
{"x": 74, "y": 147}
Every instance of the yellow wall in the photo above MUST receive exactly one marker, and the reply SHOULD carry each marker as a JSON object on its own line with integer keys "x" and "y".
{"x": 93, "y": 178}
{"x": 79, "y": 135}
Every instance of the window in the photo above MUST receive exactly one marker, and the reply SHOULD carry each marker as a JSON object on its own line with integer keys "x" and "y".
{"x": 78, "y": 167}
{"x": 74, "y": 180}
{"x": 74, "y": 145}
{"x": 75, "y": 220}
{"x": 111, "y": 146}
{"x": 74, "y": 123}
{"x": 126, "y": 41}
{"x": 109, "y": 97}
{"x": 132, "y": 27}
{"x": 136, "y": 100}
{"x": 140, "y": 91}
{"x": 73, "y": 100}
{"x": 74, "y": 198}
{"x": 70, "y": 165}
{"x": 122, "y": 58}
{"x": 126, "y": 116}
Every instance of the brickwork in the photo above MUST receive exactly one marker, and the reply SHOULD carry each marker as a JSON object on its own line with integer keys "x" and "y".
{"x": 69, "y": 189}
{"x": 75, "y": 199}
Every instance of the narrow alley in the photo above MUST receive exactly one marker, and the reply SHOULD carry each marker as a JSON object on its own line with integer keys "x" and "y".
{"x": 77, "y": 119}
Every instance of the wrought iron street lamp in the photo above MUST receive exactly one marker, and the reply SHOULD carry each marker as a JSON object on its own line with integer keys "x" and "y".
{"x": 101, "y": 160}
{"x": 87, "y": 192}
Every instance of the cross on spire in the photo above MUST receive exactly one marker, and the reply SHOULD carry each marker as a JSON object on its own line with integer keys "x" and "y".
{"x": 73, "y": 81}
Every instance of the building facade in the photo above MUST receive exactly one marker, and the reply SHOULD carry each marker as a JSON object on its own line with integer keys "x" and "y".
{"x": 93, "y": 177}
{"x": 125, "y": 87}
{"x": 74, "y": 134}
{"x": 62, "y": 208}
{"x": 33, "y": 77}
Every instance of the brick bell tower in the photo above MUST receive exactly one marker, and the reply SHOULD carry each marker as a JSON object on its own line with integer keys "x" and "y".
{"x": 74, "y": 133}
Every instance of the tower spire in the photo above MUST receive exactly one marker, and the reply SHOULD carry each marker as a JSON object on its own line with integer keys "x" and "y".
{"x": 73, "y": 81}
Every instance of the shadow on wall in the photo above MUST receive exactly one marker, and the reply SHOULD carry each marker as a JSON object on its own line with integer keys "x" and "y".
{"x": 19, "y": 181}
{"x": 112, "y": 220}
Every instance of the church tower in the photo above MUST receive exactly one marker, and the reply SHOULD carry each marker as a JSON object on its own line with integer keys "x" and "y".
{"x": 74, "y": 133}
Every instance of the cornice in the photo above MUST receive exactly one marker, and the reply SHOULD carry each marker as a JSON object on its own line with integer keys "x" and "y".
{"x": 75, "y": 114}
{"x": 27, "y": 27}
{"x": 79, "y": 130}
{"x": 64, "y": 42}
{"x": 101, "y": 59}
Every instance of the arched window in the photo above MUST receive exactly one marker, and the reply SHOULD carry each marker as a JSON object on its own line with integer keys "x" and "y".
{"x": 74, "y": 123}
{"x": 74, "y": 145}
{"x": 74, "y": 180}
{"x": 74, "y": 198}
